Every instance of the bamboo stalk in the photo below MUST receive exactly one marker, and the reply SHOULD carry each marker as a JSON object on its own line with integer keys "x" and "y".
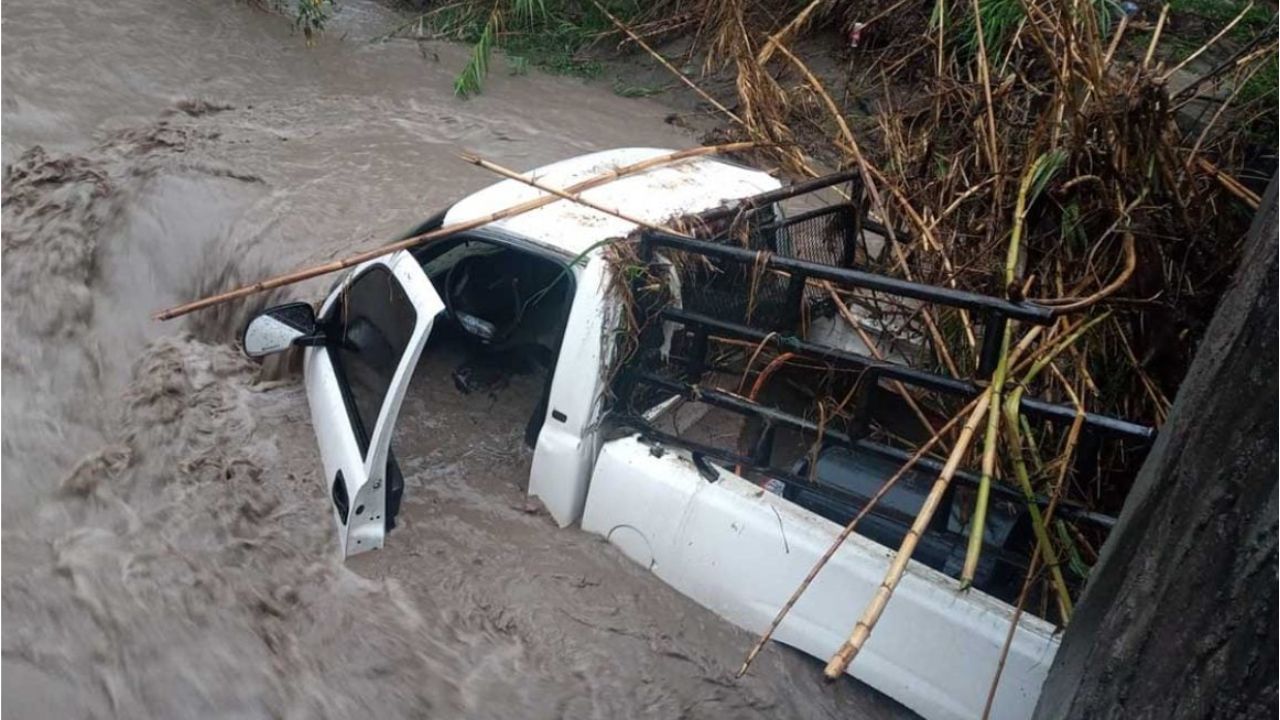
{"x": 1023, "y": 345}
{"x": 513, "y": 175}
{"x": 1226, "y": 29}
{"x": 862, "y": 630}
{"x": 1012, "y": 413}
{"x": 839, "y": 540}
{"x": 663, "y": 61}
{"x": 352, "y": 260}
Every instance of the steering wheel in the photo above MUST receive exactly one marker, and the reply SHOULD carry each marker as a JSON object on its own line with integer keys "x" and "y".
{"x": 485, "y": 304}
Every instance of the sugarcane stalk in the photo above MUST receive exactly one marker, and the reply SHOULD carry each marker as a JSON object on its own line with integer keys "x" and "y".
{"x": 1023, "y": 345}
{"x": 839, "y": 541}
{"x": 443, "y": 232}
{"x": 565, "y": 194}
{"x": 1033, "y": 181}
{"x": 1012, "y": 413}
{"x": 862, "y": 630}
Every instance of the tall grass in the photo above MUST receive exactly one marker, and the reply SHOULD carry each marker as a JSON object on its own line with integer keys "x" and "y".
{"x": 999, "y": 19}
{"x": 549, "y": 34}
{"x": 309, "y": 16}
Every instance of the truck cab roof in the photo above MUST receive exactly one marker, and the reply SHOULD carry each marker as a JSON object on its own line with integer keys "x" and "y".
{"x": 656, "y": 195}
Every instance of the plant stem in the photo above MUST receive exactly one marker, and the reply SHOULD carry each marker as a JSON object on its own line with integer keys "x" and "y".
{"x": 1012, "y": 409}
{"x": 1034, "y": 180}
{"x": 1043, "y": 543}
{"x": 977, "y": 525}
{"x": 862, "y": 629}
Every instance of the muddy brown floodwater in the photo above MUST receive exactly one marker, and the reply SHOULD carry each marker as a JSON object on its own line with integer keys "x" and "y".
{"x": 167, "y": 549}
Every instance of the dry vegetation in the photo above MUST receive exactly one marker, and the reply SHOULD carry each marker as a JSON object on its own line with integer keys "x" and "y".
{"x": 1135, "y": 206}
{"x": 1052, "y": 150}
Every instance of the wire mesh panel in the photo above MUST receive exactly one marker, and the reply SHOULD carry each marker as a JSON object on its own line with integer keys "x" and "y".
{"x": 826, "y": 236}
{"x": 748, "y": 293}
{"x": 737, "y": 292}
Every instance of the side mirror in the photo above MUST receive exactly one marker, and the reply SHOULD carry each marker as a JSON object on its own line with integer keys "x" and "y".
{"x": 277, "y": 328}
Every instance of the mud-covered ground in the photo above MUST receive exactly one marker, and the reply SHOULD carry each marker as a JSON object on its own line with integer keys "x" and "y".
{"x": 167, "y": 550}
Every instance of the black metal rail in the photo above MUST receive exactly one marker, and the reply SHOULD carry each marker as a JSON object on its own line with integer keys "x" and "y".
{"x": 742, "y": 406}
{"x": 797, "y": 263}
{"x": 765, "y": 199}
{"x": 1060, "y": 414}
{"x": 756, "y": 202}
{"x": 1024, "y": 311}
{"x": 996, "y": 312}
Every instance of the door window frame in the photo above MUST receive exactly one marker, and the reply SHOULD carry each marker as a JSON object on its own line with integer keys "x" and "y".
{"x": 363, "y": 435}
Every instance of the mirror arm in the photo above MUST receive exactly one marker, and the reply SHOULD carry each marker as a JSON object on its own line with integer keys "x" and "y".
{"x": 319, "y": 339}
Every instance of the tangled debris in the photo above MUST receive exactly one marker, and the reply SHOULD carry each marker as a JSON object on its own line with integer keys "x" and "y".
{"x": 1029, "y": 150}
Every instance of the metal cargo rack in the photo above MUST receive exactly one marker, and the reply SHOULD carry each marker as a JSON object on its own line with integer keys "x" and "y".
{"x": 751, "y": 269}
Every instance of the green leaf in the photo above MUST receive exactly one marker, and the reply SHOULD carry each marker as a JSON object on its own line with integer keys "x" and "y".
{"x": 470, "y": 80}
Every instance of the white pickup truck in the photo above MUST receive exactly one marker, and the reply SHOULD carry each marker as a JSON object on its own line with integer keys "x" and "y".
{"x": 540, "y": 281}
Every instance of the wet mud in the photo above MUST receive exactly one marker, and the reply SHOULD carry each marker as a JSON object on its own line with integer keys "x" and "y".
{"x": 167, "y": 547}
